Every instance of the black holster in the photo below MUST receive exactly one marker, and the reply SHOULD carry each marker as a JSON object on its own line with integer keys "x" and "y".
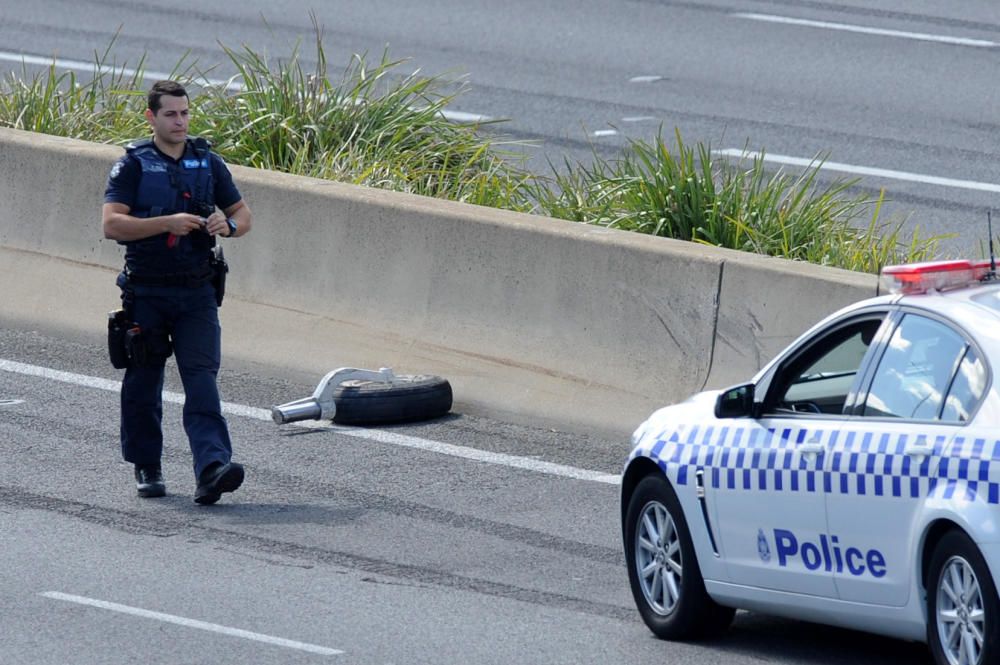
{"x": 217, "y": 262}
{"x": 131, "y": 346}
{"x": 147, "y": 348}
{"x": 118, "y": 325}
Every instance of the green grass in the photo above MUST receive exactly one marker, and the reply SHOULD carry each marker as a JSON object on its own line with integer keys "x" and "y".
{"x": 690, "y": 195}
{"x": 372, "y": 125}
{"x": 369, "y": 126}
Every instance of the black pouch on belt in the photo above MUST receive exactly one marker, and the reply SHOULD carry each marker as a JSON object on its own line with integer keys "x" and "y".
{"x": 147, "y": 347}
{"x": 118, "y": 326}
{"x": 217, "y": 261}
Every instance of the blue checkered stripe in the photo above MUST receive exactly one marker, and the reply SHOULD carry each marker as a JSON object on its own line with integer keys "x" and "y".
{"x": 869, "y": 463}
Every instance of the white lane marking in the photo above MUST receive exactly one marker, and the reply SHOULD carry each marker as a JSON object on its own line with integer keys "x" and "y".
{"x": 645, "y": 79}
{"x": 847, "y": 27}
{"x": 193, "y": 623}
{"x": 463, "y": 117}
{"x": 606, "y": 132}
{"x": 638, "y": 118}
{"x": 864, "y": 170}
{"x": 10, "y": 402}
{"x": 79, "y": 65}
{"x": 380, "y": 436}
{"x": 502, "y": 459}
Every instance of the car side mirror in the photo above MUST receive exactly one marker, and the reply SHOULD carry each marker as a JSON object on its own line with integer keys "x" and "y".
{"x": 735, "y": 402}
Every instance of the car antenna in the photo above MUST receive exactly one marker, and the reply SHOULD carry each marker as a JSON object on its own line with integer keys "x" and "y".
{"x": 993, "y": 258}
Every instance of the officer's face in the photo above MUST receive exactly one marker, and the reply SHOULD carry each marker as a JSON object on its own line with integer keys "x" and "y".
{"x": 170, "y": 123}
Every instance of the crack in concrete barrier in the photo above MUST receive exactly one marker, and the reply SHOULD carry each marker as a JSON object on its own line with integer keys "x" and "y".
{"x": 715, "y": 325}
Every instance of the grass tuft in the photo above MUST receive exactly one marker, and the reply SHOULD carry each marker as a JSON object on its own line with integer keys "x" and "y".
{"x": 689, "y": 195}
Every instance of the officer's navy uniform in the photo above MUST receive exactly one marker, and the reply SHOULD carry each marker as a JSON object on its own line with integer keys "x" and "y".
{"x": 167, "y": 290}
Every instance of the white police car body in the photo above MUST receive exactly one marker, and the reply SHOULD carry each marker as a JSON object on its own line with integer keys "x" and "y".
{"x": 854, "y": 481}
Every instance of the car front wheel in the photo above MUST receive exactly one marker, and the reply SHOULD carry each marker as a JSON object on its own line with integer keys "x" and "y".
{"x": 963, "y": 612}
{"x": 662, "y": 568}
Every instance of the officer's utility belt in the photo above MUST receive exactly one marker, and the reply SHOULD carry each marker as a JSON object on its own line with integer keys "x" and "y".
{"x": 192, "y": 279}
{"x": 130, "y": 345}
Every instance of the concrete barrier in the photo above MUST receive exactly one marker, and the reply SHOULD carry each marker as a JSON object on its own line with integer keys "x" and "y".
{"x": 546, "y": 318}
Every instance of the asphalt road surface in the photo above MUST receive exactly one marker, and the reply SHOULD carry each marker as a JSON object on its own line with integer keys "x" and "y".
{"x": 463, "y": 540}
{"x": 900, "y": 94}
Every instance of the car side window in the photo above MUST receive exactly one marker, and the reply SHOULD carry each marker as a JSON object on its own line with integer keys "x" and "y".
{"x": 966, "y": 390}
{"x": 819, "y": 380}
{"x": 916, "y": 370}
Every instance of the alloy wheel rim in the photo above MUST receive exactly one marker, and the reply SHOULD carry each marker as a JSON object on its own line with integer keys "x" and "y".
{"x": 658, "y": 559}
{"x": 961, "y": 617}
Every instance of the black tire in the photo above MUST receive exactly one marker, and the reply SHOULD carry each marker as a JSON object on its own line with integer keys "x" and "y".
{"x": 957, "y": 562}
{"x": 407, "y": 398}
{"x": 690, "y": 613}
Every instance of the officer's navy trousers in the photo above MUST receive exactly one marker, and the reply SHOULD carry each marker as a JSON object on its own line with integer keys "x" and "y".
{"x": 192, "y": 319}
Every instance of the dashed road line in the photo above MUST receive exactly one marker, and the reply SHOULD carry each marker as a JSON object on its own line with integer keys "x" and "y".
{"x": 82, "y": 66}
{"x": 193, "y": 623}
{"x": 855, "y": 169}
{"x": 882, "y": 32}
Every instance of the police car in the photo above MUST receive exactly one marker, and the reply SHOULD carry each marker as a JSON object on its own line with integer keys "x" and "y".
{"x": 855, "y": 481}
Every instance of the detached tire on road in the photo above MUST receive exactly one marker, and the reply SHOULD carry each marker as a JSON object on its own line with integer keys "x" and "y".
{"x": 407, "y": 398}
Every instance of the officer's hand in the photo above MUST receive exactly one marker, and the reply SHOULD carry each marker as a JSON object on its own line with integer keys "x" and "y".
{"x": 183, "y": 223}
{"x": 216, "y": 224}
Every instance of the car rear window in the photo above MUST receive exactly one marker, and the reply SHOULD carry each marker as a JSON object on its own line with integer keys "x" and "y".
{"x": 916, "y": 371}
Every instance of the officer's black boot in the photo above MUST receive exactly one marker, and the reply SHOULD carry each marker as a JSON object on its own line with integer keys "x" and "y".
{"x": 216, "y": 479}
{"x": 149, "y": 480}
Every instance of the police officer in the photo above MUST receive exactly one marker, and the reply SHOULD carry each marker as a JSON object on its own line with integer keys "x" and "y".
{"x": 162, "y": 202}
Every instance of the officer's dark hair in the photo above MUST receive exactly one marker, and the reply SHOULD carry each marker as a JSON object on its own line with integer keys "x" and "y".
{"x": 160, "y": 88}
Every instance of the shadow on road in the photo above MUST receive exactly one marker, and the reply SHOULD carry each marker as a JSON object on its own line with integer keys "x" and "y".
{"x": 788, "y": 641}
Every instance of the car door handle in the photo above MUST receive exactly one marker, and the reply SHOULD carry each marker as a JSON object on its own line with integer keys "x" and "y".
{"x": 811, "y": 448}
{"x": 918, "y": 451}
